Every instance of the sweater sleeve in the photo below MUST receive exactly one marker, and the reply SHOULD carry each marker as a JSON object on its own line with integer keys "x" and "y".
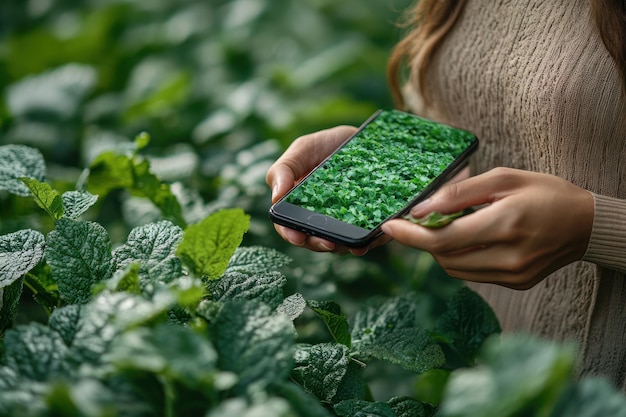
{"x": 607, "y": 244}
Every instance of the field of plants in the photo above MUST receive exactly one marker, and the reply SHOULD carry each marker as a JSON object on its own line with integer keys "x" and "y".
{"x": 139, "y": 272}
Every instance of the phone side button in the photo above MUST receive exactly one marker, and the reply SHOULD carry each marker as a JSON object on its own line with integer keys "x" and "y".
{"x": 317, "y": 220}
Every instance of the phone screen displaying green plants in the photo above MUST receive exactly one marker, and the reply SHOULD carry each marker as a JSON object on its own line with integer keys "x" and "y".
{"x": 384, "y": 167}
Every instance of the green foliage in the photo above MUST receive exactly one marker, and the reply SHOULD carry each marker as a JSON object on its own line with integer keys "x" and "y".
{"x": 155, "y": 285}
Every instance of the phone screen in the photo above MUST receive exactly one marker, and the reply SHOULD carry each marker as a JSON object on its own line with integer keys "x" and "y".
{"x": 380, "y": 171}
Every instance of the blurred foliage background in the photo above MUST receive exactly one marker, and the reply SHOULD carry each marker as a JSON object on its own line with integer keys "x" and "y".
{"x": 222, "y": 87}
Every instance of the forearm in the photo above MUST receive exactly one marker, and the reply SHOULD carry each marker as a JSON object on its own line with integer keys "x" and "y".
{"x": 607, "y": 244}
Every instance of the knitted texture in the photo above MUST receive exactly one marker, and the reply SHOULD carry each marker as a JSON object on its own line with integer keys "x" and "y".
{"x": 534, "y": 81}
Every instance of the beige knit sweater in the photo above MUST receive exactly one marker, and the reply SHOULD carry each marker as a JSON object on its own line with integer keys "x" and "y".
{"x": 534, "y": 81}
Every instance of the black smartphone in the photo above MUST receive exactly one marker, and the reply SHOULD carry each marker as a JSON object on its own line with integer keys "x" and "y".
{"x": 392, "y": 162}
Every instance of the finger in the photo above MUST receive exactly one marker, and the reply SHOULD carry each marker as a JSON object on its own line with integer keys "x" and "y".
{"x": 474, "y": 191}
{"x": 304, "y": 154}
{"x": 470, "y": 231}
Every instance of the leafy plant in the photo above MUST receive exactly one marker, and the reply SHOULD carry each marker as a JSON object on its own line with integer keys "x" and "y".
{"x": 180, "y": 321}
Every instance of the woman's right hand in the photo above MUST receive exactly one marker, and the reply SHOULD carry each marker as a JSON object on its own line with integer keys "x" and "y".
{"x": 304, "y": 154}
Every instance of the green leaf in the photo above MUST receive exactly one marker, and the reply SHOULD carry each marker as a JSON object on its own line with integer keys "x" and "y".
{"x": 254, "y": 343}
{"x": 353, "y": 385}
{"x": 77, "y": 202}
{"x": 407, "y": 407}
{"x": 323, "y": 370}
{"x": 47, "y": 198}
{"x": 467, "y": 323}
{"x": 19, "y": 253}
{"x": 208, "y": 246}
{"x": 89, "y": 329}
{"x": 519, "y": 375}
{"x": 304, "y": 404}
{"x": 385, "y": 329}
{"x": 36, "y": 352}
{"x": 153, "y": 247}
{"x": 267, "y": 288}
{"x": 174, "y": 352}
{"x": 337, "y": 323}
{"x": 594, "y": 397}
{"x": 256, "y": 259}
{"x": 125, "y": 280}
{"x": 9, "y": 301}
{"x": 360, "y": 408}
{"x": 17, "y": 161}
{"x": 79, "y": 254}
{"x": 110, "y": 171}
{"x": 240, "y": 407}
{"x": 292, "y": 306}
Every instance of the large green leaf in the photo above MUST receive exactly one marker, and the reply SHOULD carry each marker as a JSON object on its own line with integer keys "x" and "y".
{"x": 386, "y": 329}
{"x": 79, "y": 254}
{"x": 153, "y": 247}
{"x": 208, "y": 246}
{"x": 18, "y": 161}
{"x": 361, "y": 408}
{"x": 322, "y": 368}
{"x": 36, "y": 352}
{"x": 254, "y": 343}
{"x": 467, "y": 323}
{"x": 19, "y": 253}
{"x": 519, "y": 375}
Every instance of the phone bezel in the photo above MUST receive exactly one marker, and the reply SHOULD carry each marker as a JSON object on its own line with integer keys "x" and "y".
{"x": 334, "y": 230}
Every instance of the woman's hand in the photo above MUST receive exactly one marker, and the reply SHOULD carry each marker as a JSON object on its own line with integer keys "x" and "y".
{"x": 533, "y": 225}
{"x": 304, "y": 154}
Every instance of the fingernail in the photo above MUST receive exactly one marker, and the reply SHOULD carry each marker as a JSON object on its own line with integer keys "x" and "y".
{"x": 327, "y": 246}
{"x": 420, "y": 209}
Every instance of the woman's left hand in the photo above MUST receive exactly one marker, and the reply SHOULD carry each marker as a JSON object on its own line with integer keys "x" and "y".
{"x": 533, "y": 224}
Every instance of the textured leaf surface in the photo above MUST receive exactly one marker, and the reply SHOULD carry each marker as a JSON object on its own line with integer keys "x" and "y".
{"x": 360, "y": 408}
{"x": 267, "y": 288}
{"x": 77, "y": 202}
{"x": 256, "y": 259}
{"x": 293, "y": 306}
{"x": 254, "y": 343}
{"x": 17, "y": 161}
{"x": 337, "y": 323}
{"x": 407, "y": 407}
{"x": 36, "y": 352}
{"x": 153, "y": 247}
{"x": 208, "y": 246}
{"x": 519, "y": 375}
{"x": 9, "y": 301}
{"x": 385, "y": 329}
{"x": 79, "y": 254}
{"x": 467, "y": 323}
{"x": 19, "y": 253}
{"x": 326, "y": 366}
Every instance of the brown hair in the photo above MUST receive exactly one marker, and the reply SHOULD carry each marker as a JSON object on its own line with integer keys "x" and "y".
{"x": 431, "y": 20}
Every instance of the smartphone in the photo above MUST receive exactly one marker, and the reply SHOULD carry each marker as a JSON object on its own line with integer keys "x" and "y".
{"x": 392, "y": 162}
